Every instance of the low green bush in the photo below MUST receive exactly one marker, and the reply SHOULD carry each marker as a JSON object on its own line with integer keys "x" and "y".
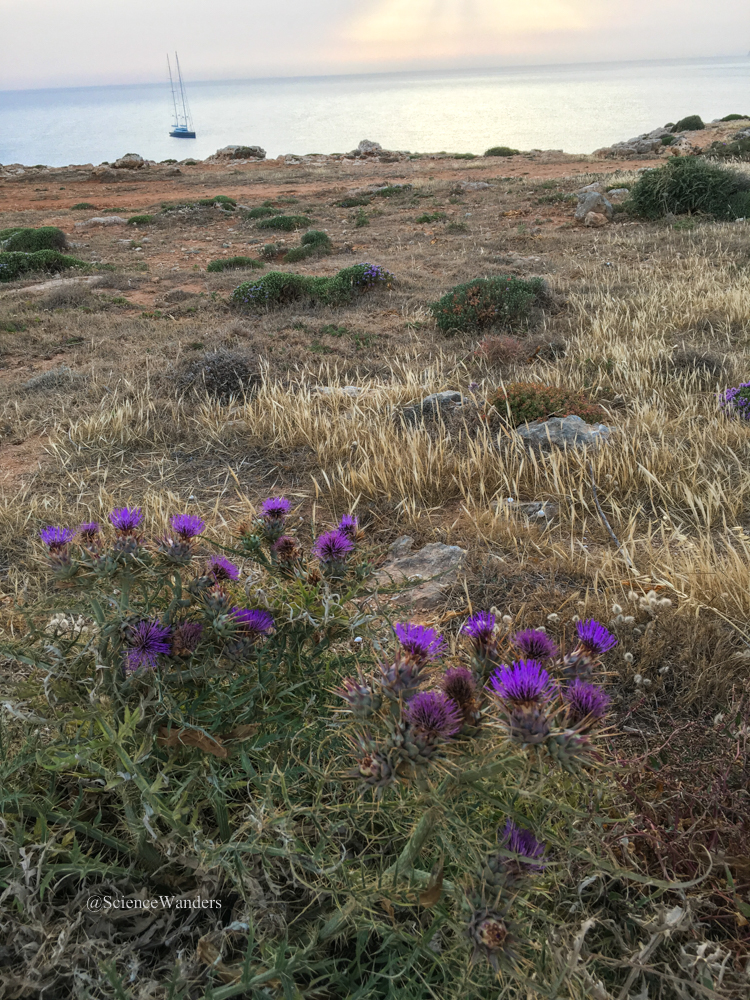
{"x": 285, "y": 223}
{"x": 501, "y": 151}
{"x": 14, "y": 264}
{"x": 83, "y": 205}
{"x": 5, "y": 234}
{"x": 314, "y": 244}
{"x": 692, "y": 123}
{"x": 432, "y": 217}
{"x": 392, "y": 190}
{"x": 361, "y": 219}
{"x": 277, "y": 288}
{"x": 32, "y": 240}
{"x": 141, "y": 220}
{"x": 485, "y": 302}
{"x": 456, "y": 227}
{"x": 260, "y": 212}
{"x": 353, "y": 202}
{"x": 738, "y": 149}
{"x": 234, "y": 264}
{"x": 270, "y": 251}
{"x": 522, "y": 402}
{"x": 733, "y": 118}
{"x": 220, "y": 199}
{"x": 668, "y": 140}
{"x": 685, "y": 185}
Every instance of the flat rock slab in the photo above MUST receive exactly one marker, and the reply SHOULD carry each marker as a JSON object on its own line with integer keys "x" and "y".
{"x": 563, "y": 432}
{"x": 103, "y": 220}
{"x": 429, "y": 570}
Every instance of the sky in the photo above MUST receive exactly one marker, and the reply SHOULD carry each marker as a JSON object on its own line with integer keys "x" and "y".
{"x": 49, "y": 43}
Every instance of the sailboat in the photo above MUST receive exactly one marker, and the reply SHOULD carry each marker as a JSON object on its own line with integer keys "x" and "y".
{"x": 183, "y": 125}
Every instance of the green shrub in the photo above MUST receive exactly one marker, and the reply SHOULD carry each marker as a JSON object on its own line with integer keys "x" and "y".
{"x": 277, "y": 288}
{"x": 456, "y": 227}
{"x": 361, "y": 219}
{"x": 733, "y": 118}
{"x": 260, "y": 212}
{"x": 391, "y": 190}
{"x": 5, "y": 234}
{"x": 314, "y": 243}
{"x": 432, "y": 217}
{"x": 83, "y": 205}
{"x": 270, "y": 251}
{"x": 668, "y": 140}
{"x": 353, "y": 202}
{"x": 685, "y": 185}
{"x": 739, "y": 205}
{"x": 693, "y": 123}
{"x": 739, "y": 149}
{"x": 487, "y": 302}
{"x": 32, "y": 240}
{"x": 141, "y": 220}
{"x": 223, "y": 200}
{"x": 233, "y": 264}
{"x": 501, "y": 151}
{"x": 522, "y": 402}
{"x": 14, "y": 264}
{"x": 285, "y": 223}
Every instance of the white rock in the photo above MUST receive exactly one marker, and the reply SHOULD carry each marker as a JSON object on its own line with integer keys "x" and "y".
{"x": 430, "y": 570}
{"x": 563, "y": 432}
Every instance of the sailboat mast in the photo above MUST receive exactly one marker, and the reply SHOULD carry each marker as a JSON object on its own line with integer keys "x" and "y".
{"x": 174, "y": 98}
{"x": 182, "y": 90}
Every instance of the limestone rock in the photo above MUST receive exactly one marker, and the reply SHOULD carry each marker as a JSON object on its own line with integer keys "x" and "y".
{"x": 535, "y": 510}
{"x": 432, "y": 407}
{"x": 429, "y": 570}
{"x": 474, "y": 185}
{"x": 597, "y": 187}
{"x": 592, "y": 201}
{"x": 617, "y": 195}
{"x": 368, "y": 148}
{"x": 595, "y": 220}
{"x": 563, "y": 432}
{"x": 130, "y": 161}
{"x": 235, "y": 152}
{"x": 104, "y": 220}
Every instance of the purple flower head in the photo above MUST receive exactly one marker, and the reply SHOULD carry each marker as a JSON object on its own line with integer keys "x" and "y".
{"x": 735, "y": 401}
{"x": 187, "y": 526}
{"x": 586, "y": 701}
{"x": 221, "y": 568}
{"x": 524, "y": 683}
{"x": 522, "y": 842}
{"x": 126, "y": 519}
{"x": 594, "y": 637}
{"x": 186, "y": 637}
{"x": 458, "y": 684}
{"x": 89, "y": 531}
{"x": 419, "y": 642}
{"x": 275, "y": 508}
{"x": 349, "y": 525}
{"x": 255, "y": 622}
{"x": 146, "y": 641}
{"x": 332, "y": 547}
{"x": 535, "y": 644}
{"x": 56, "y": 538}
{"x": 432, "y": 713}
{"x": 480, "y": 627}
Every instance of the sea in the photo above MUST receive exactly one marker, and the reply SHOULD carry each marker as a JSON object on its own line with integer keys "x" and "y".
{"x": 576, "y": 108}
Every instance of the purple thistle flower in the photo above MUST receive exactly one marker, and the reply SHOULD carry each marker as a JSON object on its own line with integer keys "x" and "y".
{"x": 535, "y": 644}
{"x": 421, "y": 643}
{"x": 586, "y": 701}
{"x": 595, "y": 638}
{"x": 349, "y": 525}
{"x": 186, "y": 637}
{"x": 433, "y": 713}
{"x": 523, "y": 842}
{"x": 458, "y": 684}
{"x": 147, "y": 640}
{"x": 332, "y": 547}
{"x": 56, "y": 538}
{"x": 275, "y": 508}
{"x": 524, "y": 683}
{"x": 221, "y": 568}
{"x": 126, "y": 519}
{"x": 254, "y": 622}
{"x": 187, "y": 526}
{"x": 89, "y": 531}
{"x": 480, "y": 627}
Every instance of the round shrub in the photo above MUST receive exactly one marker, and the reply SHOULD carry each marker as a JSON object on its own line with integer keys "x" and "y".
{"x": 487, "y": 302}
{"x": 733, "y": 118}
{"x": 83, "y": 205}
{"x": 223, "y": 200}
{"x": 685, "y": 185}
{"x": 523, "y": 402}
{"x": 693, "y": 123}
{"x": 314, "y": 243}
{"x": 501, "y": 151}
{"x": 278, "y": 288}
{"x": 354, "y": 202}
{"x": 13, "y": 265}
{"x": 141, "y": 220}
{"x": 260, "y": 212}
{"x": 234, "y": 264}
{"x": 219, "y": 374}
{"x": 32, "y": 240}
{"x": 285, "y": 223}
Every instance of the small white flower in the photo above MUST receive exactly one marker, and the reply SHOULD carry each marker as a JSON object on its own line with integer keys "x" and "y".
{"x": 576, "y": 618}
{"x": 553, "y": 617}
{"x": 718, "y": 718}
{"x": 616, "y": 609}
{"x": 628, "y": 657}
{"x": 664, "y": 670}
{"x": 507, "y": 620}
{"x": 638, "y": 679}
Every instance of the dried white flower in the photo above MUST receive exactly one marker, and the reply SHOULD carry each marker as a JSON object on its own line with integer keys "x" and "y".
{"x": 628, "y": 657}
{"x": 553, "y": 617}
{"x": 638, "y": 679}
{"x": 616, "y": 609}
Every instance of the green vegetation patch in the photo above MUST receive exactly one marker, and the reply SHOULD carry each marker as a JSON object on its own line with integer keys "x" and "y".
{"x": 733, "y": 118}
{"x": 392, "y": 190}
{"x": 501, "y": 151}
{"x": 285, "y": 223}
{"x": 260, "y": 212}
{"x": 487, "y": 302}
{"x": 234, "y": 264}
{"x": 32, "y": 240}
{"x": 738, "y": 149}
{"x": 278, "y": 288}
{"x": 83, "y": 205}
{"x": 220, "y": 199}
{"x": 432, "y": 217}
{"x": 522, "y": 402}
{"x": 353, "y": 202}
{"x": 315, "y": 243}
{"x": 692, "y": 123}
{"x": 141, "y": 220}
{"x": 14, "y": 264}
{"x": 690, "y": 184}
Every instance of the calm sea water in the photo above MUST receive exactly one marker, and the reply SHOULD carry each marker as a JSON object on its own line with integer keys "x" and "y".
{"x": 576, "y": 108}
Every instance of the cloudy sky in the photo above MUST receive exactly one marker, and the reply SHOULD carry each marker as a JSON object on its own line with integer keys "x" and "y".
{"x": 48, "y": 43}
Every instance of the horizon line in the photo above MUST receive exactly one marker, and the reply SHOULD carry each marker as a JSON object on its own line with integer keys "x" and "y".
{"x": 370, "y": 73}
